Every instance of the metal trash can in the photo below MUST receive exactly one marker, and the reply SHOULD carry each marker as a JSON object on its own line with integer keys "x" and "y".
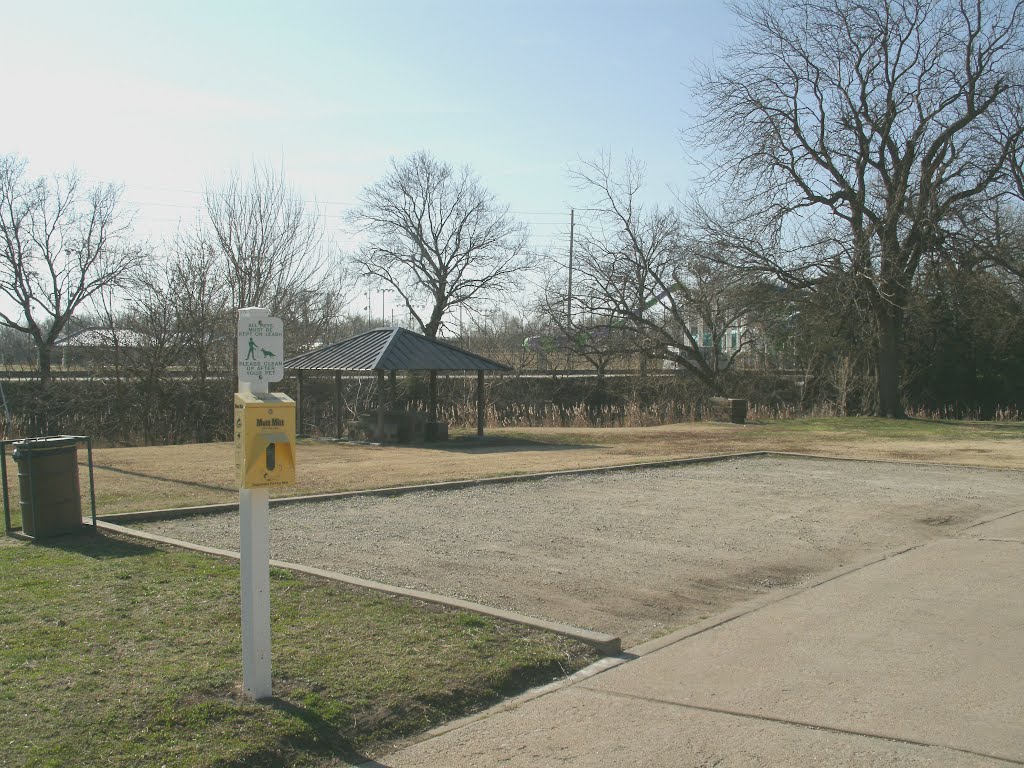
{"x": 51, "y": 502}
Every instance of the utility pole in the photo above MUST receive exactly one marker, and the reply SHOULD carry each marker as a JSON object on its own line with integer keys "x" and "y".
{"x": 568, "y": 303}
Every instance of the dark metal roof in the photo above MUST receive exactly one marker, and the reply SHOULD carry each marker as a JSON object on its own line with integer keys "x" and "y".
{"x": 391, "y": 349}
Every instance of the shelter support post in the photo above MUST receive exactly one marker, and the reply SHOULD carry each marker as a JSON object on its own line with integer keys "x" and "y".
{"x": 298, "y": 403}
{"x": 380, "y": 406}
{"x": 392, "y": 390}
{"x": 338, "y": 420}
{"x": 432, "y": 396}
{"x": 479, "y": 403}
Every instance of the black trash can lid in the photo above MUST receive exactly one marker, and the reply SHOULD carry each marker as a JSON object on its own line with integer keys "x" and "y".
{"x": 43, "y": 444}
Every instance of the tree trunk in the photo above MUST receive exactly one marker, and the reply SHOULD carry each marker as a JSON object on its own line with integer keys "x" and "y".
{"x": 890, "y": 331}
{"x": 44, "y": 356}
{"x": 431, "y": 328}
{"x": 844, "y": 373}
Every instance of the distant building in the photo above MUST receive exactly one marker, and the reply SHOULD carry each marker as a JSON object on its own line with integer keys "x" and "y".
{"x": 86, "y": 345}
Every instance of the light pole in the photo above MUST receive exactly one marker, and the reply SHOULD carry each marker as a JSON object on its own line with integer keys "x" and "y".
{"x": 383, "y": 313}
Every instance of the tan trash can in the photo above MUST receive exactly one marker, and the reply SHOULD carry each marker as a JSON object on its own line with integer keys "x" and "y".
{"x": 51, "y": 503}
{"x": 728, "y": 409}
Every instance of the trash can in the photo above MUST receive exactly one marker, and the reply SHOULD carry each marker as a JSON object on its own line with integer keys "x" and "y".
{"x": 51, "y": 503}
{"x": 728, "y": 409}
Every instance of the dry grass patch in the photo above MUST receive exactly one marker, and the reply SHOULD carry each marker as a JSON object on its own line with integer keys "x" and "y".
{"x": 129, "y": 479}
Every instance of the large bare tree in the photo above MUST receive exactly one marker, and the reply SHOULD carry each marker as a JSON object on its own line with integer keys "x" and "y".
{"x": 60, "y": 244}
{"x": 877, "y": 127}
{"x": 438, "y": 238}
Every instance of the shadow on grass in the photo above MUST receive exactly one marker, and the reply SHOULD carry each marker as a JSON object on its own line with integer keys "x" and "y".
{"x": 327, "y": 741}
{"x": 96, "y": 545}
{"x": 473, "y": 444}
{"x": 176, "y": 481}
{"x": 1011, "y": 428}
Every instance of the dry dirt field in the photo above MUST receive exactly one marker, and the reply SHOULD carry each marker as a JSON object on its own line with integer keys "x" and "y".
{"x": 129, "y": 479}
{"x": 632, "y": 553}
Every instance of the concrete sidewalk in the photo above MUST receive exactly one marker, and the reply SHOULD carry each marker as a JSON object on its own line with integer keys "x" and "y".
{"x": 914, "y": 660}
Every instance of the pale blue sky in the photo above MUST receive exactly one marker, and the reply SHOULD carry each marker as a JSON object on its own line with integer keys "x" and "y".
{"x": 166, "y": 97}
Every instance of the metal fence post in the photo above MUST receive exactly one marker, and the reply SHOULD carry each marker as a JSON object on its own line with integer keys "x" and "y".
{"x": 32, "y": 500}
{"x": 92, "y": 485}
{"x": 3, "y": 475}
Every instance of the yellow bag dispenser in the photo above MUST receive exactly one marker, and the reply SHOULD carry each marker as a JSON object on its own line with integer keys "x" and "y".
{"x": 264, "y": 439}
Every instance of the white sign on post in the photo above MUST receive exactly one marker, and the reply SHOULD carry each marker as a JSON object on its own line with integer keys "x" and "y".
{"x": 260, "y": 349}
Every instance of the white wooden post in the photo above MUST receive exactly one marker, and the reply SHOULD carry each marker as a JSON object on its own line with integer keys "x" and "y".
{"x": 254, "y": 506}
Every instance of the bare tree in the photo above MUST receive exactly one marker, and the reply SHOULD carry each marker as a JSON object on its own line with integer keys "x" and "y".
{"x": 871, "y": 124}
{"x": 438, "y": 239}
{"x": 640, "y": 279}
{"x": 200, "y": 294}
{"x": 582, "y": 330}
{"x": 270, "y": 239}
{"x": 59, "y": 245}
{"x": 271, "y": 248}
{"x": 153, "y": 319}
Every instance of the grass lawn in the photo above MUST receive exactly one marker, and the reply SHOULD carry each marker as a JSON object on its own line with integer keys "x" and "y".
{"x": 113, "y": 653}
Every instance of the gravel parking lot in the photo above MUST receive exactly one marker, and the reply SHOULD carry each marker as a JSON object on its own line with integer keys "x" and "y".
{"x": 631, "y": 553}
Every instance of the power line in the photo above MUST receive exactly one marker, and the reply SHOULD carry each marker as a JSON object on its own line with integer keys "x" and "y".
{"x": 331, "y": 219}
{"x": 339, "y": 203}
{"x": 314, "y": 201}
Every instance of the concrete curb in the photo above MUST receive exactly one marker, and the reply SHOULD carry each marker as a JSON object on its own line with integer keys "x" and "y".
{"x": 168, "y": 514}
{"x": 898, "y": 462}
{"x": 608, "y": 645}
{"x": 398, "y": 490}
